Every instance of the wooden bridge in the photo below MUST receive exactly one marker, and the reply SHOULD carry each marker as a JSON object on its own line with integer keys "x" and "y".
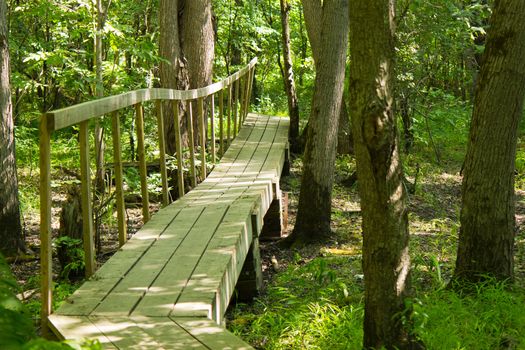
{"x": 168, "y": 287}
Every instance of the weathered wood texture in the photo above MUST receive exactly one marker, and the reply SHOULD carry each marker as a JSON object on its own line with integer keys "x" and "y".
{"x": 170, "y": 284}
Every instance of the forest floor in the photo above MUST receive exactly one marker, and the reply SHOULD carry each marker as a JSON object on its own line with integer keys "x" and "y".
{"x": 313, "y": 296}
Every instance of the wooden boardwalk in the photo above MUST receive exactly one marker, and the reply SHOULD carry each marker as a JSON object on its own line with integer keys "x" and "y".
{"x": 169, "y": 286}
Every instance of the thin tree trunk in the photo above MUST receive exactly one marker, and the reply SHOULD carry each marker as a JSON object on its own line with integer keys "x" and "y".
{"x": 10, "y": 224}
{"x": 289, "y": 83}
{"x": 386, "y": 262}
{"x": 315, "y": 201}
{"x": 486, "y": 237}
{"x": 100, "y": 145}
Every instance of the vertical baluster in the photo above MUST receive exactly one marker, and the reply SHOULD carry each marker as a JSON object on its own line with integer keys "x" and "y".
{"x": 229, "y": 115}
{"x": 212, "y": 129}
{"x": 221, "y": 122}
{"x": 247, "y": 95}
{"x": 139, "y": 113}
{"x": 46, "y": 262}
{"x": 162, "y": 153}
{"x": 178, "y": 148}
{"x": 202, "y": 136}
{"x": 87, "y": 211}
{"x": 235, "y": 107}
{"x": 191, "y": 142}
{"x": 119, "y": 183}
{"x": 242, "y": 87}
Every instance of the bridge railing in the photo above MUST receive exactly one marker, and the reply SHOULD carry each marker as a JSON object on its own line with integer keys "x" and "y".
{"x": 233, "y": 96}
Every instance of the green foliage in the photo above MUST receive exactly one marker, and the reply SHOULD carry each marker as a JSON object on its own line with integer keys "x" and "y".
{"x": 312, "y": 306}
{"x": 493, "y": 317}
{"x": 73, "y": 253}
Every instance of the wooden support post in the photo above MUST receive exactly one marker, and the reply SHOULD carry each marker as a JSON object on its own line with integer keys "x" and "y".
{"x": 87, "y": 211}
{"x": 119, "y": 183}
{"x": 191, "y": 141}
{"x": 139, "y": 113}
{"x": 273, "y": 227}
{"x": 178, "y": 148}
{"x": 221, "y": 122}
{"x": 250, "y": 88}
{"x": 162, "y": 153}
{"x": 202, "y": 136}
{"x": 250, "y": 280}
{"x": 212, "y": 129}
{"x": 229, "y": 116}
{"x": 46, "y": 262}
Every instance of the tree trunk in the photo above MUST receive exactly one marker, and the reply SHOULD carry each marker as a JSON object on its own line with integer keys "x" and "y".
{"x": 187, "y": 43}
{"x": 312, "y": 10}
{"x": 488, "y": 228}
{"x": 10, "y": 225}
{"x": 289, "y": 83}
{"x": 173, "y": 71}
{"x": 315, "y": 201}
{"x": 386, "y": 262}
{"x": 100, "y": 145}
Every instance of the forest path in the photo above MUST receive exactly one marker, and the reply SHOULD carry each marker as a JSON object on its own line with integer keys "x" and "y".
{"x": 169, "y": 286}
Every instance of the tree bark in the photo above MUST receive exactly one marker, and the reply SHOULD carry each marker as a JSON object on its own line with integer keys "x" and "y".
{"x": 386, "y": 262}
{"x": 100, "y": 145}
{"x": 486, "y": 237}
{"x": 10, "y": 225}
{"x": 187, "y": 43}
{"x": 312, "y": 15}
{"x": 173, "y": 71}
{"x": 289, "y": 83}
{"x": 315, "y": 201}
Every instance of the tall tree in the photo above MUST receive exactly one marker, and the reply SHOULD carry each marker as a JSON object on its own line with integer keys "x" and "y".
{"x": 312, "y": 17}
{"x": 386, "y": 262}
{"x": 187, "y": 45}
{"x": 486, "y": 237}
{"x": 289, "y": 82}
{"x": 315, "y": 201}
{"x": 10, "y": 225}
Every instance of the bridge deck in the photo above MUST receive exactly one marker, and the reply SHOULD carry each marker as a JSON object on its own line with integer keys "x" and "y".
{"x": 169, "y": 286}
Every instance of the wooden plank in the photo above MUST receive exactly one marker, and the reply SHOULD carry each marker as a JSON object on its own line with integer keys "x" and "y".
{"x": 119, "y": 183}
{"x": 139, "y": 114}
{"x": 46, "y": 262}
{"x": 78, "y": 327}
{"x": 68, "y": 116}
{"x": 162, "y": 153}
{"x": 209, "y": 333}
{"x": 178, "y": 148}
{"x": 87, "y": 214}
{"x": 124, "y": 333}
{"x": 168, "y": 333}
{"x": 229, "y": 117}
{"x": 235, "y": 107}
{"x": 173, "y": 277}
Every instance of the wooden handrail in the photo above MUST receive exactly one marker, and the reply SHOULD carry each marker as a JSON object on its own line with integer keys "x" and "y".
{"x": 68, "y": 116}
{"x": 235, "y": 113}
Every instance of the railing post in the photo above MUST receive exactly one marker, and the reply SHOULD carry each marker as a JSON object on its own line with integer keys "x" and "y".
{"x": 247, "y": 94}
{"x": 221, "y": 122}
{"x": 202, "y": 132}
{"x": 242, "y": 81}
{"x": 178, "y": 148}
{"x": 46, "y": 267}
{"x": 229, "y": 115}
{"x": 139, "y": 113}
{"x": 191, "y": 142}
{"x": 212, "y": 129}
{"x": 250, "y": 87}
{"x": 235, "y": 108}
{"x": 119, "y": 183}
{"x": 162, "y": 153}
{"x": 87, "y": 212}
